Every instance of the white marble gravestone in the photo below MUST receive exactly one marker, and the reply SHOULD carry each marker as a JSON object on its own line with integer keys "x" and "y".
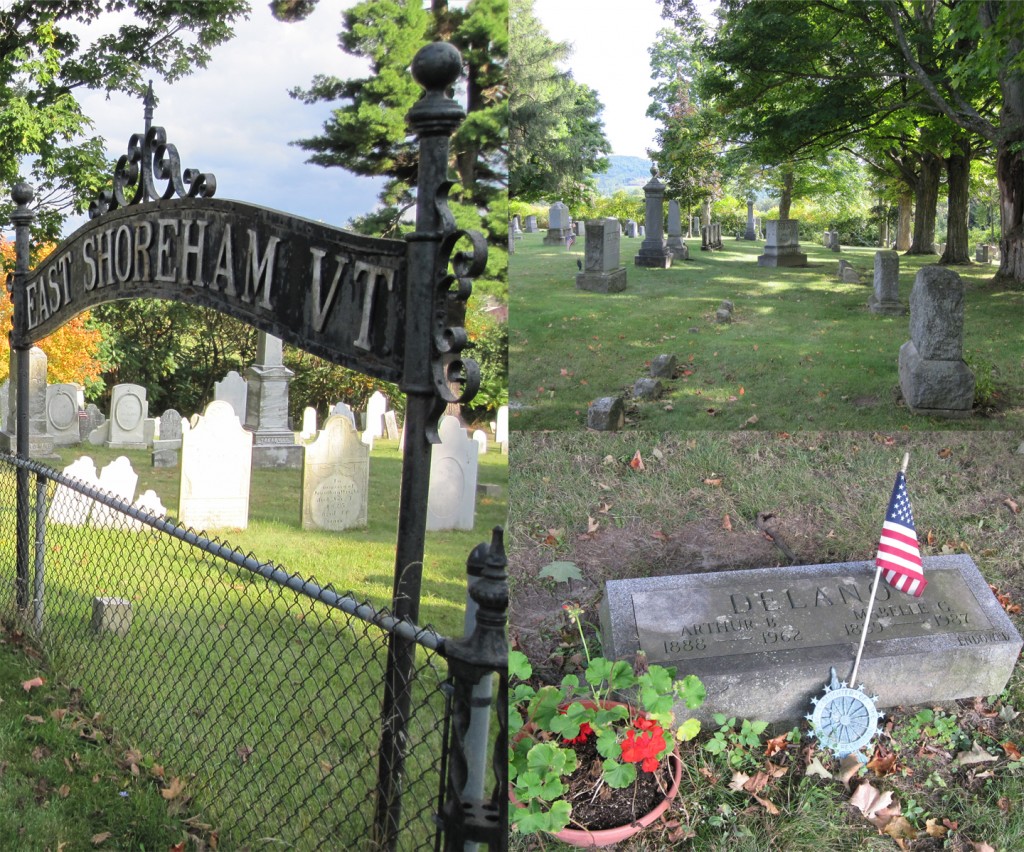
{"x": 169, "y": 431}
{"x": 266, "y": 407}
{"x": 480, "y": 436}
{"x": 453, "y": 466}
{"x": 40, "y": 441}
{"x": 120, "y": 480}
{"x": 62, "y": 414}
{"x": 128, "y": 412}
{"x": 501, "y": 429}
{"x": 69, "y": 507}
{"x": 343, "y": 409}
{"x": 308, "y": 423}
{"x": 376, "y": 405}
{"x": 216, "y": 461}
{"x": 336, "y": 478}
{"x": 391, "y": 425}
{"x": 233, "y": 389}
{"x": 150, "y": 502}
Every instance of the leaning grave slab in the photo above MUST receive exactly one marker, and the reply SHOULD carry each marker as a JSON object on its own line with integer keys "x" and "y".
{"x": 763, "y": 640}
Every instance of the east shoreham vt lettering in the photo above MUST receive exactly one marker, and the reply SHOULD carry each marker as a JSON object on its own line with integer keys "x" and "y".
{"x": 318, "y": 283}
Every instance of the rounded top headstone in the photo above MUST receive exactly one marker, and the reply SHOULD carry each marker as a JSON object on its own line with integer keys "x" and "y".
{"x": 22, "y": 193}
{"x": 437, "y": 66}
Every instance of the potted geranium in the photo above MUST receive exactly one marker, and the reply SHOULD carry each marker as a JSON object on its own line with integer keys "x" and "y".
{"x": 595, "y": 762}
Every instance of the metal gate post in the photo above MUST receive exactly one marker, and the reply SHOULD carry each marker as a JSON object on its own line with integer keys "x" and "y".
{"x": 432, "y": 365}
{"x": 38, "y": 585}
{"x": 22, "y": 218}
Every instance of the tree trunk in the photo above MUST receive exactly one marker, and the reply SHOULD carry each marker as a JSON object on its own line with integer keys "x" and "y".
{"x": 1010, "y": 177}
{"x": 903, "y": 222}
{"x": 958, "y": 176}
{"x": 786, "y": 199}
{"x": 926, "y": 197}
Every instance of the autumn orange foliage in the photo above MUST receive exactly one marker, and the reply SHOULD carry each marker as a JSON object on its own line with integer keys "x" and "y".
{"x": 72, "y": 350}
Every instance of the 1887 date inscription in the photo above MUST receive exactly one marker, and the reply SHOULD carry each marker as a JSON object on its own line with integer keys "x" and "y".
{"x": 724, "y": 619}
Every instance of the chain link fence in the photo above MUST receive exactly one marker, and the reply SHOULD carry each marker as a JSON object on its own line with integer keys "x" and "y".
{"x": 258, "y": 690}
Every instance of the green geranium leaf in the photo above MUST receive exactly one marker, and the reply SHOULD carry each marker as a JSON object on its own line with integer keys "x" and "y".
{"x": 519, "y": 666}
{"x": 545, "y": 705}
{"x": 598, "y": 670}
{"x": 608, "y": 744}
{"x": 570, "y": 681}
{"x": 567, "y": 724}
{"x": 619, "y": 775}
{"x": 658, "y": 678}
{"x": 621, "y": 675}
{"x": 691, "y": 691}
{"x": 533, "y": 818}
{"x": 561, "y": 572}
{"x": 688, "y": 730}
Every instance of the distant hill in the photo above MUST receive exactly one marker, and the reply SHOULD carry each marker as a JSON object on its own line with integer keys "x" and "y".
{"x": 623, "y": 173}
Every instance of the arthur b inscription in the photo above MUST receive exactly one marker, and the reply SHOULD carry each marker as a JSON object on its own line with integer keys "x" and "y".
{"x": 805, "y": 613}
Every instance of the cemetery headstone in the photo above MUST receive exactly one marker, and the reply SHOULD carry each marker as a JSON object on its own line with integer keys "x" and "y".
{"x": 148, "y": 501}
{"x": 128, "y": 412}
{"x": 453, "y": 473}
{"x": 336, "y": 478}
{"x": 308, "y": 423}
{"x": 111, "y": 615}
{"x": 705, "y": 238}
{"x": 93, "y": 419}
{"x": 40, "y": 441}
{"x": 763, "y": 641}
{"x": 266, "y": 407}
{"x": 632, "y": 230}
{"x": 654, "y": 251}
{"x": 674, "y": 228}
{"x": 834, "y": 241}
{"x": 981, "y": 254}
{"x": 517, "y": 231}
{"x": 641, "y": 231}
{"x": 885, "y": 297}
{"x": 169, "y": 431}
{"x": 376, "y": 405}
{"x": 559, "y": 223}
{"x": 602, "y": 272}
{"x": 391, "y": 425}
{"x": 216, "y": 460}
{"x": 663, "y": 367}
{"x": 62, "y": 421}
{"x": 607, "y": 414}
{"x": 782, "y": 244}
{"x": 98, "y": 436}
{"x": 934, "y": 378}
{"x": 480, "y": 436}
{"x": 751, "y": 232}
{"x": 233, "y": 390}
{"x": 647, "y": 388}
{"x": 501, "y": 429}
{"x": 531, "y": 225}
{"x": 119, "y": 479}
{"x": 343, "y": 409}
{"x": 70, "y": 507}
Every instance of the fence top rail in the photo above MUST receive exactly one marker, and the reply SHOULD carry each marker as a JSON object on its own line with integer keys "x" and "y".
{"x": 326, "y": 595}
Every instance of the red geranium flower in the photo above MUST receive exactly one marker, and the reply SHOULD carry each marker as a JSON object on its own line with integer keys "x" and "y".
{"x": 585, "y": 731}
{"x": 644, "y": 748}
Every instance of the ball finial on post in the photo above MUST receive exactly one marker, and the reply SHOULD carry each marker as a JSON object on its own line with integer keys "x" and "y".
{"x": 437, "y": 66}
{"x": 22, "y": 193}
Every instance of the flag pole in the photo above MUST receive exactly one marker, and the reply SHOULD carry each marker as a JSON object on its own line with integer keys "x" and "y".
{"x": 871, "y": 601}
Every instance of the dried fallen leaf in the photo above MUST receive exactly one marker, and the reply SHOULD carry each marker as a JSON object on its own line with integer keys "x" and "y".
{"x": 875, "y": 805}
{"x": 1012, "y": 505}
{"x": 243, "y": 752}
{"x": 64, "y": 791}
{"x": 637, "y": 462}
{"x": 738, "y": 780}
{"x": 933, "y": 828}
{"x": 982, "y": 847}
{"x": 899, "y": 827}
{"x": 768, "y": 806}
{"x": 34, "y": 720}
{"x": 658, "y": 534}
{"x": 756, "y": 784}
{"x": 97, "y": 839}
{"x": 815, "y": 768}
{"x": 713, "y": 482}
{"x": 173, "y": 788}
{"x": 945, "y": 452}
{"x": 27, "y": 685}
{"x": 882, "y": 763}
{"x": 1011, "y": 750}
{"x": 727, "y": 523}
{"x": 848, "y": 768}
{"x": 59, "y": 713}
{"x": 976, "y": 755}
{"x": 592, "y": 525}
{"x": 775, "y": 744}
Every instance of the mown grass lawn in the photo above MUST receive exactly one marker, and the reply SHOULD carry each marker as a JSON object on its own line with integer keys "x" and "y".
{"x": 265, "y": 704}
{"x": 702, "y": 502}
{"x": 803, "y": 350}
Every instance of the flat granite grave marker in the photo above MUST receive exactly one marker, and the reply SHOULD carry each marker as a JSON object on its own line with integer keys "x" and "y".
{"x": 763, "y": 640}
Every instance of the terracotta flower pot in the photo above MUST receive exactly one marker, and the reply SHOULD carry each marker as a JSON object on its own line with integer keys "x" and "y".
{"x": 608, "y": 836}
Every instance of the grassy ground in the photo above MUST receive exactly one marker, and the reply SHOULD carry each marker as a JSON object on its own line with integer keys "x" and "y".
{"x": 702, "y": 502}
{"x": 265, "y": 704}
{"x": 803, "y": 352}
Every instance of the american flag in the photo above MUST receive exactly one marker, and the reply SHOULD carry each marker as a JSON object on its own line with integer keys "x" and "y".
{"x": 898, "y": 554}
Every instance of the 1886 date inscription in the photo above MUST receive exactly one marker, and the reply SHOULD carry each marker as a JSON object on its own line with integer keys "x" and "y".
{"x": 807, "y": 612}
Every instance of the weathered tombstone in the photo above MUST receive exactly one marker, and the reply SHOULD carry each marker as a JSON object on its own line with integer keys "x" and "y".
{"x": 981, "y": 253}
{"x": 93, "y": 419}
{"x": 654, "y": 252}
{"x": 705, "y": 238}
{"x": 716, "y": 230}
{"x": 674, "y": 228}
{"x": 391, "y": 425}
{"x": 119, "y": 479}
{"x": 70, "y": 507}
{"x": 376, "y": 405}
{"x": 111, "y": 615}
{"x": 559, "y": 223}
{"x": 453, "y": 470}
{"x": 62, "y": 414}
{"x": 501, "y": 429}
{"x": 169, "y": 431}
{"x": 694, "y": 224}
{"x": 5, "y": 401}
{"x": 40, "y": 441}
{"x": 98, "y": 436}
{"x": 335, "y": 478}
{"x": 343, "y": 409}
{"x": 147, "y": 501}
{"x": 531, "y": 225}
{"x": 834, "y": 241}
{"x": 933, "y": 376}
{"x": 601, "y": 270}
{"x": 128, "y": 411}
{"x": 480, "y": 436}
{"x": 885, "y": 297}
{"x": 647, "y": 388}
{"x": 233, "y": 390}
{"x": 751, "y": 232}
{"x": 149, "y": 427}
{"x": 517, "y": 231}
{"x": 763, "y": 640}
{"x": 663, "y": 367}
{"x": 216, "y": 461}
{"x": 826, "y": 239}
{"x": 641, "y": 231}
{"x": 308, "y": 423}
{"x": 632, "y": 231}
{"x": 266, "y": 407}
{"x": 607, "y": 414}
{"x": 782, "y": 244}
{"x": 164, "y": 458}
{"x": 848, "y": 273}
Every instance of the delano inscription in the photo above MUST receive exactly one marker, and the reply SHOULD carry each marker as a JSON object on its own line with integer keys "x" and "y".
{"x": 332, "y": 292}
{"x": 802, "y": 613}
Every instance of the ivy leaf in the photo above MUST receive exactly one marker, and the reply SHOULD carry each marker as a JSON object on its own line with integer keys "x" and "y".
{"x": 561, "y": 572}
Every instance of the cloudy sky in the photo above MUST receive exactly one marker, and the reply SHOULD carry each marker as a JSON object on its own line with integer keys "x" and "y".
{"x": 235, "y": 118}
{"x": 610, "y": 56}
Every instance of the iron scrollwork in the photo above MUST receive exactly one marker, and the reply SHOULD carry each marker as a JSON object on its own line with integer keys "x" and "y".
{"x": 151, "y": 159}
